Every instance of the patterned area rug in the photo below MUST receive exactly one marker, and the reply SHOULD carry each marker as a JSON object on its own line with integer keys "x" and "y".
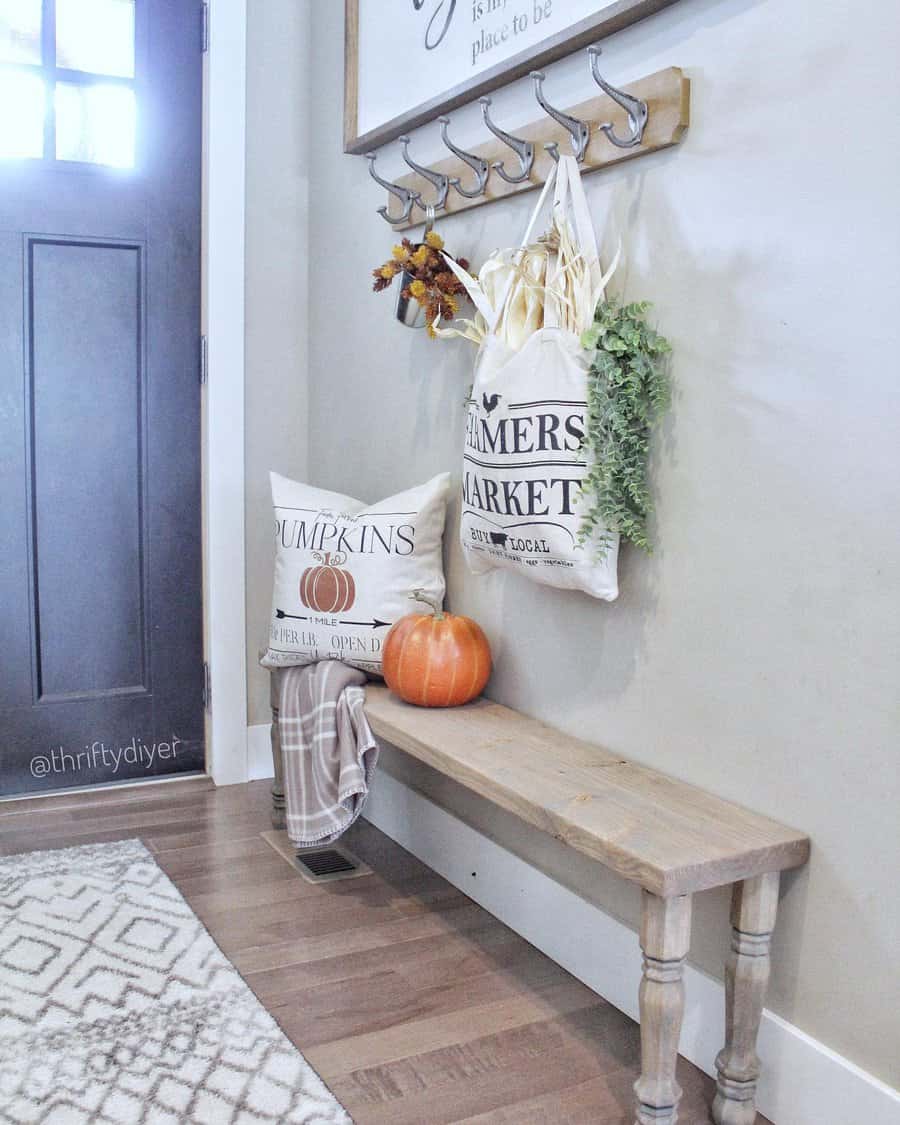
{"x": 117, "y": 1007}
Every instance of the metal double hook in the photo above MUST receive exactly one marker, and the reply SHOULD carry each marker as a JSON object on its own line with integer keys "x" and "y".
{"x": 405, "y": 195}
{"x": 523, "y": 149}
{"x": 440, "y": 180}
{"x": 478, "y": 165}
{"x": 637, "y": 110}
{"x": 579, "y": 131}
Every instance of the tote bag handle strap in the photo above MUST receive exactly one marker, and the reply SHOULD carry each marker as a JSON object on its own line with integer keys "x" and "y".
{"x": 570, "y": 193}
{"x": 584, "y": 230}
{"x": 538, "y": 207}
{"x": 584, "y": 226}
{"x": 561, "y": 192}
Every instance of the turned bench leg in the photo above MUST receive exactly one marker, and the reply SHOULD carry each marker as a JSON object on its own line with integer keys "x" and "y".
{"x": 753, "y": 908}
{"x": 277, "y": 760}
{"x": 665, "y": 938}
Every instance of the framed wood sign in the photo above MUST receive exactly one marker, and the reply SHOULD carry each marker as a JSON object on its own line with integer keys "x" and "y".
{"x": 453, "y": 51}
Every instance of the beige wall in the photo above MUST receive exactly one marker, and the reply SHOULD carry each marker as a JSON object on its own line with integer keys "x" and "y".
{"x": 276, "y": 294}
{"x": 755, "y": 653}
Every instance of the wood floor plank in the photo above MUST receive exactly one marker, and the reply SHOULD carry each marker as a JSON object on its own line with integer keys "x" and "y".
{"x": 607, "y": 1098}
{"x": 236, "y": 877}
{"x": 459, "y": 919}
{"x": 519, "y": 1077}
{"x": 401, "y": 1041}
{"x": 444, "y": 1105}
{"x": 207, "y": 835}
{"x": 193, "y": 806}
{"x": 473, "y": 952}
{"x": 281, "y": 886}
{"x": 181, "y": 863}
{"x": 27, "y": 843}
{"x": 55, "y": 802}
{"x": 247, "y": 927}
{"x": 351, "y": 1007}
{"x": 595, "y": 1033}
{"x": 574, "y": 1104}
{"x": 156, "y": 827}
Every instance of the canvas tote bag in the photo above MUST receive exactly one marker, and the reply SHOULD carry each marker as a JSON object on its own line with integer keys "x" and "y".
{"x": 523, "y": 464}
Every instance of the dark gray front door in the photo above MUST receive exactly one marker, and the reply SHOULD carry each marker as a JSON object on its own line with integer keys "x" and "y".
{"x": 100, "y": 583}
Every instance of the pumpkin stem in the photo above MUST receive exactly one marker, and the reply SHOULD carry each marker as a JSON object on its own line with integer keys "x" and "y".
{"x": 419, "y": 595}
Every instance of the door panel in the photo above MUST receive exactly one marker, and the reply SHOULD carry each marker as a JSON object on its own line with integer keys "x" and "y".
{"x": 86, "y": 472}
{"x": 100, "y": 594}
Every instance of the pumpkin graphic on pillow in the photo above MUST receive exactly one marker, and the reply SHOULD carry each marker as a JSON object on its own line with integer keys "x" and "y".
{"x": 326, "y": 587}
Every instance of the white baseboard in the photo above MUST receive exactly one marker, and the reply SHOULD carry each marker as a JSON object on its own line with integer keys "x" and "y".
{"x": 803, "y": 1082}
{"x": 259, "y": 752}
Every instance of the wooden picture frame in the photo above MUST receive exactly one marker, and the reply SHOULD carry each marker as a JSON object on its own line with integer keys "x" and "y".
{"x": 578, "y": 35}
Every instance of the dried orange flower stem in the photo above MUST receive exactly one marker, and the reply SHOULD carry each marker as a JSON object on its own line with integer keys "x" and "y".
{"x": 427, "y": 279}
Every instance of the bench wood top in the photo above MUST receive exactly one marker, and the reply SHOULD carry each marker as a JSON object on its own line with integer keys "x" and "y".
{"x": 670, "y": 837}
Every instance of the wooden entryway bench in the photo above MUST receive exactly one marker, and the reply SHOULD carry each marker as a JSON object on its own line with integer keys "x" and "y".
{"x": 669, "y": 837}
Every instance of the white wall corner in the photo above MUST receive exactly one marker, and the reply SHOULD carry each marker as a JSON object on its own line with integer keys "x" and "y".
{"x": 803, "y": 1082}
{"x": 224, "y": 571}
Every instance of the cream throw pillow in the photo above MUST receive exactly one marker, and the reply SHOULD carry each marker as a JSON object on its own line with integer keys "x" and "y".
{"x": 344, "y": 569}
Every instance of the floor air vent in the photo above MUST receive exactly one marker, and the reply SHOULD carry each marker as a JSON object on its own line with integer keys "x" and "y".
{"x": 318, "y": 865}
{"x": 321, "y": 864}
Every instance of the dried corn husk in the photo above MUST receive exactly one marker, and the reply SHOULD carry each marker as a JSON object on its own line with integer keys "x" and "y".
{"x": 514, "y": 287}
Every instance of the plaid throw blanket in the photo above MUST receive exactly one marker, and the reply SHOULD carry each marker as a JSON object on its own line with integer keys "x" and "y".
{"x": 328, "y": 749}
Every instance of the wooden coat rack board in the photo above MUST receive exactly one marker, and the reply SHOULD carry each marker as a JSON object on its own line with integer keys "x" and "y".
{"x": 668, "y": 97}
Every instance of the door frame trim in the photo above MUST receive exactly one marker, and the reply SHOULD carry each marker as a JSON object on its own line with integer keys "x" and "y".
{"x": 224, "y": 571}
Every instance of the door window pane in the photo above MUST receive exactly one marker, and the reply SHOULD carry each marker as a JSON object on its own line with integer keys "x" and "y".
{"x": 22, "y": 127}
{"x": 20, "y": 31}
{"x": 95, "y": 124}
{"x": 95, "y": 35}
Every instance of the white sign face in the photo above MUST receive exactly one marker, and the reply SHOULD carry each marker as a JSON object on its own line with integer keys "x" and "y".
{"x": 412, "y": 51}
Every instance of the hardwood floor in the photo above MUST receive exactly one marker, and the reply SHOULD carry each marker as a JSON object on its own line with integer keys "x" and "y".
{"x": 415, "y": 1005}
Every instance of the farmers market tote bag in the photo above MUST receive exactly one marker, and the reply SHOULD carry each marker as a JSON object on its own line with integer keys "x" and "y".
{"x": 524, "y": 465}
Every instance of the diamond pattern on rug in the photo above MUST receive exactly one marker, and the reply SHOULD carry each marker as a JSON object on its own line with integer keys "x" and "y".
{"x": 118, "y": 1008}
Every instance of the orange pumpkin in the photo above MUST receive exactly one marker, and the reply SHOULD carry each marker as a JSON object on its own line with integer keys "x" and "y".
{"x": 326, "y": 588}
{"x": 436, "y": 659}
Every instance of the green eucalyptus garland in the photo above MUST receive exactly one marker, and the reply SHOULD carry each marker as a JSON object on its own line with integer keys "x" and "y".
{"x": 628, "y": 389}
